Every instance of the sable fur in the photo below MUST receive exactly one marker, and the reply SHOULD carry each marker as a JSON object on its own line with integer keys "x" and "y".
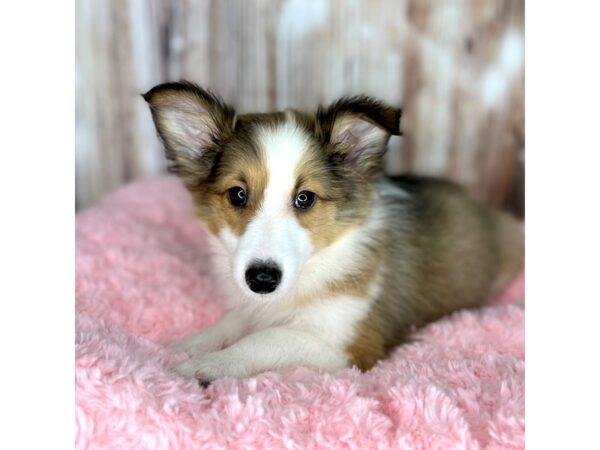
{"x": 443, "y": 252}
{"x": 421, "y": 247}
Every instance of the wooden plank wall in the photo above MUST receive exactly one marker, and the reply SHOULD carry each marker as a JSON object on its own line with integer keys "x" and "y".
{"x": 456, "y": 67}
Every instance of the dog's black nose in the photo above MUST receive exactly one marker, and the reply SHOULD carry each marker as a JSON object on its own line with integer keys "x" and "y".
{"x": 263, "y": 277}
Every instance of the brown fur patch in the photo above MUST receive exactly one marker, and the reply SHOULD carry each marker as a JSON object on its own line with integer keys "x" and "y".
{"x": 236, "y": 167}
{"x": 329, "y": 218}
{"x": 340, "y": 204}
{"x": 443, "y": 252}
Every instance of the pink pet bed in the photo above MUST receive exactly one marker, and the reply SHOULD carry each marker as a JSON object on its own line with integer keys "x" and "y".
{"x": 142, "y": 281}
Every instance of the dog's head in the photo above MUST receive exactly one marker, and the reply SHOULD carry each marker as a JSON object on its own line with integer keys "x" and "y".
{"x": 276, "y": 189}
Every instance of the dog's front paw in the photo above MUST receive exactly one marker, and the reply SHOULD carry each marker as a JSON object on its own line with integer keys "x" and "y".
{"x": 214, "y": 365}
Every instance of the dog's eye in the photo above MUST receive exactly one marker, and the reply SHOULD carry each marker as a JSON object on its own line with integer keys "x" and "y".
{"x": 238, "y": 196}
{"x": 305, "y": 200}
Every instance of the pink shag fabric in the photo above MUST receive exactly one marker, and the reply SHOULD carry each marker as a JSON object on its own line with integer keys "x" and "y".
{"x": 142, "y": 281}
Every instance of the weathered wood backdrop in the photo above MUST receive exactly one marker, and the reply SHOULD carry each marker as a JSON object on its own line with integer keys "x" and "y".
{"x": 456, "y": 67}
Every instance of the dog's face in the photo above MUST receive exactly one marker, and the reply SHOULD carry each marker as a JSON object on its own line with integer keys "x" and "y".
{"x": 276, "y": 189}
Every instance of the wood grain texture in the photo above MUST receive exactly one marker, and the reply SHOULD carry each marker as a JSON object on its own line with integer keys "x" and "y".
{"x": 455, "y": 66}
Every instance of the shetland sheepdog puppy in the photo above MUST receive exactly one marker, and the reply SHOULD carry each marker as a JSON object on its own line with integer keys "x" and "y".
{"x": 324, "y": 261}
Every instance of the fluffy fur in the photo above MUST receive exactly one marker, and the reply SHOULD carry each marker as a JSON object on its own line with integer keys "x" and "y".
{"x": 340, "y": 282}
{"x": 143, "y": 279}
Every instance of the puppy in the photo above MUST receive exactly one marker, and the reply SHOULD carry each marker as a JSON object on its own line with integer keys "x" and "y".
{"x": 325, "y": 262}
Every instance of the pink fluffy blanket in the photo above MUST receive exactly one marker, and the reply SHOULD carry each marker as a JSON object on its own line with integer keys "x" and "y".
{"x": 142, "y": 281}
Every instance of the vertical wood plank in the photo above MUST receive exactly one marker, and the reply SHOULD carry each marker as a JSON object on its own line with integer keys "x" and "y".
{"x": 455, "y": 66}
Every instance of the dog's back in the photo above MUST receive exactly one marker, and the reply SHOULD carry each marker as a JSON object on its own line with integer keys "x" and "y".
{"x": 443, "y": 251}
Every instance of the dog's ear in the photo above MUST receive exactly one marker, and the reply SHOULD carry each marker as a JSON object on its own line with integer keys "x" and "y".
{"x": 355, "y": 130}
{"x": 191, "y": 123}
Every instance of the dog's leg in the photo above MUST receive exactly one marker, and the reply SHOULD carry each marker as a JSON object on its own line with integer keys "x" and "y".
{"x": 269, "y": 349}
{"x": 229, "y": 329}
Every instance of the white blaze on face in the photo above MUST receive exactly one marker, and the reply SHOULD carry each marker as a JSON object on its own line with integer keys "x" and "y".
{"x": 274, "y": 233}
